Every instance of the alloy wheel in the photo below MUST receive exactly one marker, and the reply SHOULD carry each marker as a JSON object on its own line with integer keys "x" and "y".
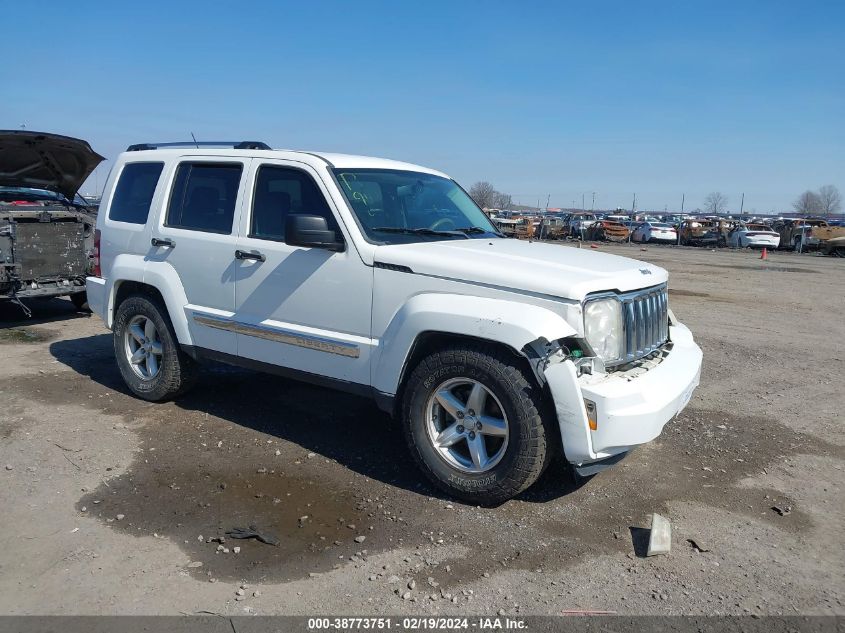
{"x": 143, "y": 347}
{"x": 467, "y": 425}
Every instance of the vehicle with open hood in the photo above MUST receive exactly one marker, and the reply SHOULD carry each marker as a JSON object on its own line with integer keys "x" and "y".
{"x": 46, "y": 228}
{"x": 385, "y": 279}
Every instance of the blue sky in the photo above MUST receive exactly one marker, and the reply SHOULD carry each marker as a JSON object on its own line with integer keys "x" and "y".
{"x": 539, "y": 98}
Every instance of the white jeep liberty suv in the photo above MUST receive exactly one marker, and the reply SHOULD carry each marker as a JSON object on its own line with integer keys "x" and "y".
{"x": 385, "y": 279}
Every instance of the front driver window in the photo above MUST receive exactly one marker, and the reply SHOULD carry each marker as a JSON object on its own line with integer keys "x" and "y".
{"x": 280, "y": 191}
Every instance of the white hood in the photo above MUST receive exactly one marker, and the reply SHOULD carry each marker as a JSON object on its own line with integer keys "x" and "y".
{"x": 548, "y": 269}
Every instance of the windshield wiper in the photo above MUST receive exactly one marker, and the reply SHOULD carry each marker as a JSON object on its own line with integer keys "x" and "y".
{"x": 422, "y": 231}
{"x": 477, "y": 229}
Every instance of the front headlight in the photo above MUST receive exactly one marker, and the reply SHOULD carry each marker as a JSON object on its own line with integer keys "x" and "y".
{"x": 603, "y": 328}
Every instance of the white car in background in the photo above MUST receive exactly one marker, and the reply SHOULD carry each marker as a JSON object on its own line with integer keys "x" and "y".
{"x": 753, "y": 236}
{"x": 580, "y": 222}
{"x": 655, "y": 232}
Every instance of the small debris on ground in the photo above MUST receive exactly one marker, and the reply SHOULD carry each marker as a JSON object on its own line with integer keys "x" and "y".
{"x": 782, "y": 511}
{"x": 696, "y": 545}
{"x": 252, "y": 532}
{"x": 660, "y": 536}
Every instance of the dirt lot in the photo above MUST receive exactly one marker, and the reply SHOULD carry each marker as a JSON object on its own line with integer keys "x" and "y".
{"x": 108, "y": 501}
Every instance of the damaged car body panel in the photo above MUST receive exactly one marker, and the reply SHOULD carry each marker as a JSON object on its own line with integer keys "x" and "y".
{"x": 46, "y": 230}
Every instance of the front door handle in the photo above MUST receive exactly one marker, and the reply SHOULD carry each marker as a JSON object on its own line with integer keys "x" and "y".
{"x": 156, "y": 241}
{"x": 255, "y": 255}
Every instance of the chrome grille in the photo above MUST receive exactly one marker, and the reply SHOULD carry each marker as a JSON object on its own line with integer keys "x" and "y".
{"x": 646, "y": 318}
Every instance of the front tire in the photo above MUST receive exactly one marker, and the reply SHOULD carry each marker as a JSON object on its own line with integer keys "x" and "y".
{"x": 148, "y": 354}
{"x": 473, "y": 423}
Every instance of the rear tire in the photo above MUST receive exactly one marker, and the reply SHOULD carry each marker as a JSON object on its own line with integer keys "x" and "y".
{"x": 148, "y": 355}
{"x": 80, "y": 301}
{"x": 516, "y": 458}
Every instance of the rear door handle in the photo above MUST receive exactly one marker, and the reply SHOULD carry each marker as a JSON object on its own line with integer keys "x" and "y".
{"x": 255, "y": 255}
{"x": 163, "y": 242}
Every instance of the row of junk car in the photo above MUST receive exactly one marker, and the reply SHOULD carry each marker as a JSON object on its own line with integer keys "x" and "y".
{"x": 799, "y": 234}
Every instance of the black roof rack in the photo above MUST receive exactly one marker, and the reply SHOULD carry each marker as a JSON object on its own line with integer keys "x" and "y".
{"x": 140, "y": 147}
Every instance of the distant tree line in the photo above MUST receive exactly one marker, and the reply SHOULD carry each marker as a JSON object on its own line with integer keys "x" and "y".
{"x": 825, "y": 201}
{"x": 486, "y": 196}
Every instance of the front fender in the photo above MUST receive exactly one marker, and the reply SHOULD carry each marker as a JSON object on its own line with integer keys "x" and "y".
{"x": 509, "y": 322}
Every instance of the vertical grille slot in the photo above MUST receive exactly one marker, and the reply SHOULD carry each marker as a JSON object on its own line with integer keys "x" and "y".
{"x": 646, "y": 317}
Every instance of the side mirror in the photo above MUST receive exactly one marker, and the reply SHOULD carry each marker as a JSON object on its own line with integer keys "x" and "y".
{"x": 311, "y": 231}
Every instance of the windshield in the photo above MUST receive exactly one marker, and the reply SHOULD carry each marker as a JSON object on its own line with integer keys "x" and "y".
{"x": 395, "y": 207}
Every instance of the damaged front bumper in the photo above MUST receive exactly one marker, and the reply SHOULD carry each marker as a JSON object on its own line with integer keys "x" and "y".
{"x": 602, "y": 416}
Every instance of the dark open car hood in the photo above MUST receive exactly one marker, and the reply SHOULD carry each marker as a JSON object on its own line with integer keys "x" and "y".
{"x": 45, "y": 161}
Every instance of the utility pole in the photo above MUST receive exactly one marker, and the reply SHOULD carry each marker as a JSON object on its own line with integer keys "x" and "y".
{"x": 680, "y": 224}
{"x": 634, "y": 205}
{"x": 742, "y": 205}
{"x": 582, "y": 202}
{"x": 548, "y": 201}
{"x": 593, "y": 205}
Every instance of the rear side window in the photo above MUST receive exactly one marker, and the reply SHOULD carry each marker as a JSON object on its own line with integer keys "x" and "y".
{"x": 280, "y": 191}
{"x": 203, "y": 197}
{"x": 134, "y": 192}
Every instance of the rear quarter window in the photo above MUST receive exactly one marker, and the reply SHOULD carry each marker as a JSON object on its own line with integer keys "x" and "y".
{"x": 134, "y": 191}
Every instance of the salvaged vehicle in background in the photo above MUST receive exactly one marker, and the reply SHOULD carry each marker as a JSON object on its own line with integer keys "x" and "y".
{"x": 494, "y": 355}
{"x": 700, "y": 232}
{"x": 834, "y": 247}
{"x": 526, "y": 228}
{"x": 753, "y": 236}
{"x": 46, "y": 228}
{"x": 799, "y": 233}
{"x": 578, "y": 223}
{"x": 655, "y": 232}
{"x": 816, "y": 236}
{"x": 552, "y": 228}
{"x": 520, "y": 227}
{"x": 607, "y": 231}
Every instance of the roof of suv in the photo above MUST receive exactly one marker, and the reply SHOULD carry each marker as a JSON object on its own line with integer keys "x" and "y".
{"x": 341, "y": 161}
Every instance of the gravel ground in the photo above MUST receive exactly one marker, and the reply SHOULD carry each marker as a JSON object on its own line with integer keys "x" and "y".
{"x": 110, "y": 504}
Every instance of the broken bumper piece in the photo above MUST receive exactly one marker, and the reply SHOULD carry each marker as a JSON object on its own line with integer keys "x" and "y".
{"x": 625, "y": 408}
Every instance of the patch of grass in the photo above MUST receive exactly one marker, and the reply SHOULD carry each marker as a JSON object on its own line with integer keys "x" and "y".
{"x": 20, "y": 335}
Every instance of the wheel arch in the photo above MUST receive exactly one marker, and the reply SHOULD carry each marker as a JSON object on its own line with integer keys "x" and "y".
{"x": 422, "y": 326}
{"x": 158, "y": 285}
{"x": 431, "y": 341}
